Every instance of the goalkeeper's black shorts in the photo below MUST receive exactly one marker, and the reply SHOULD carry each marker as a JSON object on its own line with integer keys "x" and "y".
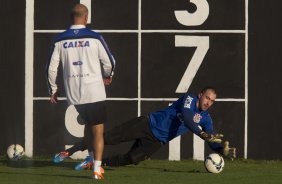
{"x": 138, "y": 130}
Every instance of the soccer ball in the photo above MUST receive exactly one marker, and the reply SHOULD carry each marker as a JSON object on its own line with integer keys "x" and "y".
{"x": 214, "y": 163}
{"x": 15, "y": 152}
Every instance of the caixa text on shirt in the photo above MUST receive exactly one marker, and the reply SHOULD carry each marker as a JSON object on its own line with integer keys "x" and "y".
{"x": 80, "y": 43}
{"x": 79, "y": 75}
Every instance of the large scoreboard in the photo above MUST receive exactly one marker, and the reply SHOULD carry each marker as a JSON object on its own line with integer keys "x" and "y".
{"x": 162, "y": 49}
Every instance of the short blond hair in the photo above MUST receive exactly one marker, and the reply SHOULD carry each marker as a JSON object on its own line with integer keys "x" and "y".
{"x": 78, "y": 11}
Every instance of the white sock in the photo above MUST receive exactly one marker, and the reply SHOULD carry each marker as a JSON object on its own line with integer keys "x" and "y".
{"x": 97, "y": 165}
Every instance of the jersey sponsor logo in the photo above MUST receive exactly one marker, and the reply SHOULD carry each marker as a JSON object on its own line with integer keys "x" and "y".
{"x": 75, "y": 31}
{"x": 73, "y": 44}
{"x": 188, "y": 102}
{"x": 77, "y": 63}
{"x": 79, "y": 75}
{"x": 197, "y": 118}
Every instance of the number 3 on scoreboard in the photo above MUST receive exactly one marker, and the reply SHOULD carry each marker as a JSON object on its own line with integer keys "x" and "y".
{"x": 196, "y": 18}
{"x": 202, "y": 46}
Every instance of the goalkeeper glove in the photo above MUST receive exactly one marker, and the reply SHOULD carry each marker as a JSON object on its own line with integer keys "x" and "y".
{"x": 211, "y": 137}
{"x": 229, "y": 152}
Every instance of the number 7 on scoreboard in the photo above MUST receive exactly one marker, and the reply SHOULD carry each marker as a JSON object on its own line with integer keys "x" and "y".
{"x": 202, "y": 46}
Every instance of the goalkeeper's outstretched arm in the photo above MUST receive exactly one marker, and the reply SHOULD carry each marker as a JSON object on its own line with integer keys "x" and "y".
{"x": 189, "y": 123}
{"x": 222, "y": 149}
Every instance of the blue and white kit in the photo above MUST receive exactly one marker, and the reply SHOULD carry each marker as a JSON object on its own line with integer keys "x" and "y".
{"x": 86, "y": 59}
{"x": 182, "y": 116}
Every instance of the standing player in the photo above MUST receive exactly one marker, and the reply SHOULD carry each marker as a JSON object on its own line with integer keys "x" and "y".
{"x": 151, "y": 132}
{"x": 87, "y": 65}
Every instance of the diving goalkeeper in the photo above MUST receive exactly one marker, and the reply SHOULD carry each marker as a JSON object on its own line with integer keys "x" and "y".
{"x": 150, "y": 132}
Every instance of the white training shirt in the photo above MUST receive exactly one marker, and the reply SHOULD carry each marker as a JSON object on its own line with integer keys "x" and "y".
{"x": 85, "y": 59}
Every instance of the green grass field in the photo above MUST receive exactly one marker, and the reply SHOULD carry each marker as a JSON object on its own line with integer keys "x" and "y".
{"x": 43, "y": 171}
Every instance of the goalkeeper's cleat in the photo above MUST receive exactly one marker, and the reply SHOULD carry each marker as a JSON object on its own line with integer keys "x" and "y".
{"x": 59, "y": 157}
{"x": 86, "y": 164}
{"x": 99, "y": 175}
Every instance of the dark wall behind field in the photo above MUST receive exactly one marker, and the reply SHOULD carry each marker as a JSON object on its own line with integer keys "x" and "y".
{"x": 12, "y": 81}
{"x": 162, "y": 65}
{"x": 265, "y": 66}
{"x": 223, "y": 68}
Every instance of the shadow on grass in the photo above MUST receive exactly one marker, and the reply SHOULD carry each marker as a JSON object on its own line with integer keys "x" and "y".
{"x": 46, "y": 174}
{"x": 174, "y": 171}
{"x": 30, "y": 163}
{"x": 165, "y": 169}
{"x": 36, "y": 163}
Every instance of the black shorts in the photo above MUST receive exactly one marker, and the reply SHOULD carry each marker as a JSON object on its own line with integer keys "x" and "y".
{"x": 138, "y": 130}
{"x": 92, "y": 113}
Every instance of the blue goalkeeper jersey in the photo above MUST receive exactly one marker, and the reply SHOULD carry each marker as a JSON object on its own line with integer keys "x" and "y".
{"x": 182, "y": 116}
